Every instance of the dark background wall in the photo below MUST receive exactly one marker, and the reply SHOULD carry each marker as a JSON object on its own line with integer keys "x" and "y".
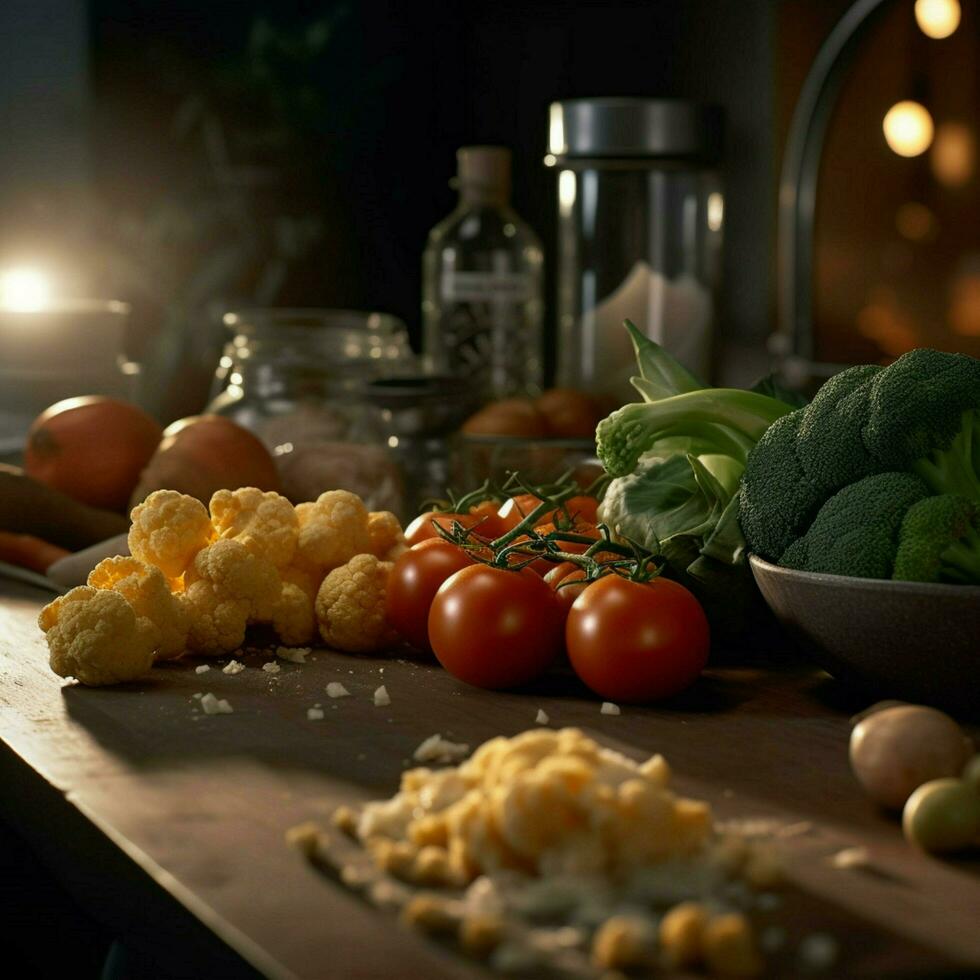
{"x": 191, "y": 157}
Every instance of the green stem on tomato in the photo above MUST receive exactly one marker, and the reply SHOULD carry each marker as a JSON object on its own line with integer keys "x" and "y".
{"x": 634, "y": 562}
{"x": 547, "y": 506}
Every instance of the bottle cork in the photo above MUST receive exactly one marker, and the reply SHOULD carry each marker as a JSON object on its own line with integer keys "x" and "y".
{"x": 483, "y": 172}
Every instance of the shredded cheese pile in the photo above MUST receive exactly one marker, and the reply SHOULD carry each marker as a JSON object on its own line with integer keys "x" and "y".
{"x": 550, "y": 850}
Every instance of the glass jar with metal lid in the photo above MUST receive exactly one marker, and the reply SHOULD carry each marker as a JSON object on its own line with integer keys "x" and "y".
{"x": 296, "y": 378}
{"x": 640, "y": 214}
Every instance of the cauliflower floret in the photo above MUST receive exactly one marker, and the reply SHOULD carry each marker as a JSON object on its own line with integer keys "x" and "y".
{"x": 234, "y": 572}
{"x": 294, "y": 617}
{"x": 265, "y": 523}
{"x": 385, "y": 534}
{"x": 350, "y": 606}
{"x": 168, "y": 530}
{"x": 332, "y": 530}
{"x": 146, "y": 590}
{"x": 95, "y": 636}
{"x": 217, "y": 621}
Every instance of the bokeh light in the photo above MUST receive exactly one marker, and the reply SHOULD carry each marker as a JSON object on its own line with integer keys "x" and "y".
{"x": 24, "y": 289}
{"x": 908, "y": 128}
{"x": 937, "y": 18}
{"x": 953, "y": 154}
{"x": 916, "y": 222}
{"x": 964, "y": 300}
{"x": 716, "y": 210}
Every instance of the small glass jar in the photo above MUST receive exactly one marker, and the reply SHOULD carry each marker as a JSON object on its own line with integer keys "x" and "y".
{"x": 296, "y": 378}
{"x": 640, "y": 213}
{"x": 419, "y": 417}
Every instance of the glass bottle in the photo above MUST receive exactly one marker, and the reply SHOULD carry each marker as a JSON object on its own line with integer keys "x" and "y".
{"x": 482, "y": 284}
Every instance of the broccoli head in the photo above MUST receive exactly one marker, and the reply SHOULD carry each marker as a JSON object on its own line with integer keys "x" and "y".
{"x": 856, "y": 531}
{"x": 939, "y": 541}
{"x": 772, "y": 497}
{"x": 831, "y": 446}
{"x": 924, "y": 417}
{"x": 920, "y": 415}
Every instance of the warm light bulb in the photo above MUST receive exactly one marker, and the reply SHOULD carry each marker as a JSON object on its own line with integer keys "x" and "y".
{"x": 937, "y": 18}
{"x": 908, "y": 128}
{"x": 23, "y": 289}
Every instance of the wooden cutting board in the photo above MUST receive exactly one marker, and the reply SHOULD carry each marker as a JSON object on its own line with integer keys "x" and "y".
{"x": 143, "y": 803}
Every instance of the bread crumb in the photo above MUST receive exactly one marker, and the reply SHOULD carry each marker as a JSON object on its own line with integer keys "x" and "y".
{"x": 608, "y": 708}
{"x": 295, "y": 655}
{"x": 305, "y": 837}
{"x": 430, "y": 914}
{"x": 542, "y": 717}
{"x": 437, "y": 749}
{"x": 337, "y": 690}
{"x": 729, "y": 947}
{"x": 215, "y": 706}
{"x": 797, "y": 829}
{"x": 479, "y": 935}
{"x": 201, "y": 669}
{"x": 233, "y": 667}
{"x": 818, "y": 951}
{"x": 851, "y": 857}
{"x": 624, "y": 943}
{"x": 314, "y": 714}
{"x": 381, "y": 697}
{"x": 271, "y": 667}
{"x": 345, "y": 820}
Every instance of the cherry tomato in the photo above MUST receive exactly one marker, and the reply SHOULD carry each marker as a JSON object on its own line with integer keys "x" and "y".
{"x": 495, "y": 628}
{"x": 542, "y": 565}
{"x": 514, "y": 510}
{"x": 559, "y": 575}
{"x": 421, "y": 529}
{"x": 632, "y": 641}
{"x": 413, "y": 583}
{"x": 488, "y": 524}
{"x": 583, "y": 509}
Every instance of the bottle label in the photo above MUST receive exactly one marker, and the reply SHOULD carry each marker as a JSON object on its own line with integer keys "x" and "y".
{"x": 486, "y": 287}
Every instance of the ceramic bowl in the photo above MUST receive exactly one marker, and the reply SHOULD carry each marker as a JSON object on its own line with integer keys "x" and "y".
{"x": 910, "y": 640}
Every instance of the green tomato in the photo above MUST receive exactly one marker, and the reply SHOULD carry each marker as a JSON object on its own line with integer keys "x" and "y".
{"x": 942, "y": 815}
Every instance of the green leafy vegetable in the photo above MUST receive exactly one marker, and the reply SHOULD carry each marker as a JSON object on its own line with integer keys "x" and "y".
{"x": 678, "y": 458}
{"x": 940, "y": 541}
{"x": 918, "y": 419}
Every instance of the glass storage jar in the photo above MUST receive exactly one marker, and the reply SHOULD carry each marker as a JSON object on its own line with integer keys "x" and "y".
{"x": 296, "y": 378}
{"x": 640, "y": 213}
{"x": 419, "y": 417}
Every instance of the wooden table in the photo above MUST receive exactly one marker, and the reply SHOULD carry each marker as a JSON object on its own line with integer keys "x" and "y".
{"x": 168, "y": 823}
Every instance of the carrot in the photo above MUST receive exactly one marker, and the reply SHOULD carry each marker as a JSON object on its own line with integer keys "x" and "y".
{"x": 30, "y": 507}
{"x": 29, "y": 552}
